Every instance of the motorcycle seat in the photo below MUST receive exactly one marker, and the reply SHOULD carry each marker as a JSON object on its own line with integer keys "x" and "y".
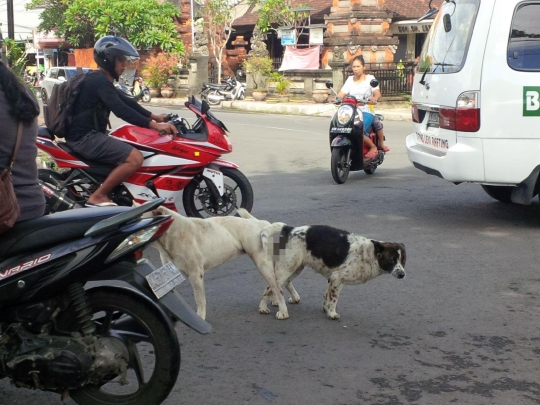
{"x": 53, "y": 229}
{"x": 45, "y": 133}
{"x": 216, "y": 86}
{"x": 98, "y": 168}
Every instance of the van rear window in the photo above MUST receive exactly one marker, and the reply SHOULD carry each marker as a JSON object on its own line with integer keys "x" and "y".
{"x": 524, "y": 43}
{"x": 446, "y": 45}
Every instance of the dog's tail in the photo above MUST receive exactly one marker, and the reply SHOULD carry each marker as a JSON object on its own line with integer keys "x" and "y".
{"x": 243, "y": 213}
{"x": 270, "y": 239}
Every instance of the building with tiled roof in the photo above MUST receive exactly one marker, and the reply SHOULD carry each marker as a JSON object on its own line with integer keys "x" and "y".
{"x": 394, "y": 29}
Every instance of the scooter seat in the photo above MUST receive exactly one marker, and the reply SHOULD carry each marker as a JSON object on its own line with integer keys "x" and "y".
{"x": 215, "y": 86}
{"x": 50, "y": 230}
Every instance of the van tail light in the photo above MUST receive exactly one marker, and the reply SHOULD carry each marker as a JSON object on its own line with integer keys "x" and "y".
{"x": 465, "y": 117}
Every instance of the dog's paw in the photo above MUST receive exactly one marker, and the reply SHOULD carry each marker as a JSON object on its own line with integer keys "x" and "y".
{"x": 294, "y": 300}
{"x": 282, "y": 315}
{"x": 264, "y": 311}
{"x": 333, "y": 315}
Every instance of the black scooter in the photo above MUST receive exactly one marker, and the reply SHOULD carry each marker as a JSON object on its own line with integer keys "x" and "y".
{"x": 346, "y": 137}
{"x": 113, "y": 343}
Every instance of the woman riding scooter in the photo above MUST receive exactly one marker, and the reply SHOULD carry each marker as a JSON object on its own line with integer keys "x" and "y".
{"x": 358, "y": 85}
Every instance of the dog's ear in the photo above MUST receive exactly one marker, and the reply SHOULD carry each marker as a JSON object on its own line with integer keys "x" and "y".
{"x": 379, "y": 248}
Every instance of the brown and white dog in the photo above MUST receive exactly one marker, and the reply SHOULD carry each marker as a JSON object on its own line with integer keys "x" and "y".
{"x": 197, "y": 245}
{"x": 341, "y": 257}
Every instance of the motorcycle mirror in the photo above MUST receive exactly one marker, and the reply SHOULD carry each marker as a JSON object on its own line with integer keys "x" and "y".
{"x": 329, "y": 84}
{"x": 374, "y": 83}
{"x": 430, "y": 14}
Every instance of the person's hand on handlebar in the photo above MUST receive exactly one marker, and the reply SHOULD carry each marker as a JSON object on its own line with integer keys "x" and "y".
{"x": 161, "y": 117}
{"x": 166, "y": 127}
{"x": 372, "y": 100}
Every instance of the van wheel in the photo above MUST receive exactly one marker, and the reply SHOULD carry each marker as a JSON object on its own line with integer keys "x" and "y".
{"x": 44, "y": 96}
{"x": 499, "y": 193}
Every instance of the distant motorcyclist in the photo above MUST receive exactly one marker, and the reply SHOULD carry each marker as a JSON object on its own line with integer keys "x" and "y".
{"x": 98, "y": 97}
{"x": 358, "y": 85}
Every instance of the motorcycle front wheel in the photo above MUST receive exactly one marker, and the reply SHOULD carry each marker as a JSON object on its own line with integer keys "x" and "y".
{"x": 339, "y": 164}
{"x": 198, "y": 201}
{"x": 152, "y": 345}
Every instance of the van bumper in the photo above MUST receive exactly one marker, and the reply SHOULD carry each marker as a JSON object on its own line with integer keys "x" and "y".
{"x": 463, "y": 162}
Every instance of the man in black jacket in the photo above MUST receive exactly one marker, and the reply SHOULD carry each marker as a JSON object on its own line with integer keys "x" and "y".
{"x": 87, "y": 134}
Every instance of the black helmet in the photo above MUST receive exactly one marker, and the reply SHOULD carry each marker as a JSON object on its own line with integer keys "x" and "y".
{"x": 108, "y": 48}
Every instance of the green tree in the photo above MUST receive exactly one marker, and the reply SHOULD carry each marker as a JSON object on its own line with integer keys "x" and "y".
{"x": 144, "y": 23}
{"x": 16, "y": 55}
{"x": 278, "y": 13}
{"x": 219, "y": 16}
{"x": 52, "y": 18}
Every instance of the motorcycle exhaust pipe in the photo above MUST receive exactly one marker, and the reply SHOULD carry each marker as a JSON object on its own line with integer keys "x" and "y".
{"x": 57, "y": 200}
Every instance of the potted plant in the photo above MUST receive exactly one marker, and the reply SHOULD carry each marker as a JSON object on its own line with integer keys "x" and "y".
{"x": 259, "y": 67}
{"x": 166, "y": 91}
{"x": 282, "y": 86}
{"x": 157, "y": 70}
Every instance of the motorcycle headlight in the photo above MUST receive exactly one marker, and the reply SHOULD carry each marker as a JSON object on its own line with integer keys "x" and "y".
{"x": 344, "y": 114}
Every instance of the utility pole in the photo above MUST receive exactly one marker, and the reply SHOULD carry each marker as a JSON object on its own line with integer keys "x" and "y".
{"x": 11, "y": 23}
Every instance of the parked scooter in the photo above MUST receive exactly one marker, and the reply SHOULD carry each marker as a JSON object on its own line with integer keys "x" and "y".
{"x": 188, "y": 162}
{"x": 347, "y": 131}
{"x": 91, "y": 344}
{"x": 137, "y": 90}
{"x": 233, "y": 89}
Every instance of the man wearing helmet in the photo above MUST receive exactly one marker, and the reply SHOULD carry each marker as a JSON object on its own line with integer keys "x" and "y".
{"x": 98, "y": 97}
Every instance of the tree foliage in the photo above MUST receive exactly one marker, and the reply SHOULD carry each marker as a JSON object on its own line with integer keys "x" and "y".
{"x": 144, "y": 23}
{"x": 219, "y": 16}
{"x": 278, "y": 13}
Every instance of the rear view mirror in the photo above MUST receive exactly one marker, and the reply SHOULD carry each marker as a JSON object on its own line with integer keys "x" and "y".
{"x": 62, "y": 78}
{"x": 374, "y": 83}
{"x": 329, "y": 84}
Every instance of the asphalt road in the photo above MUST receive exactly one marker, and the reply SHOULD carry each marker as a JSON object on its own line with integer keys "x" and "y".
{"x": 462, "y": 327}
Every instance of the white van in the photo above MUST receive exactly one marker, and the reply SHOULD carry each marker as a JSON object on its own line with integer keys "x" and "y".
{"x": 476, "y": 97}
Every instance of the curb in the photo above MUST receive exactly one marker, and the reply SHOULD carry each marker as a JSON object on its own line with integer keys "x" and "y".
{"x": 312, "y": 109}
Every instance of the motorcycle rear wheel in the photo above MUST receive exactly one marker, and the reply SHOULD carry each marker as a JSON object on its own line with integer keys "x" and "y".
{"x": 198, "y": 201}
{"x": 140, "y": 328}
{"x": 339, "y": 165}
{"x": 146, "y": 98}
{"x": 213, "y": 97}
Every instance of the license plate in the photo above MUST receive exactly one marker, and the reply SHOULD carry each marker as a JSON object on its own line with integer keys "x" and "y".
{"x": 433, "y": 119}
{"x": 164, "y": 279}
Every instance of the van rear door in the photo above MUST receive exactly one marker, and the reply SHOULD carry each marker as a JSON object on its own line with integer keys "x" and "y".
{"x": 446, "y": 85}
{"x": 511, "y": 84}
